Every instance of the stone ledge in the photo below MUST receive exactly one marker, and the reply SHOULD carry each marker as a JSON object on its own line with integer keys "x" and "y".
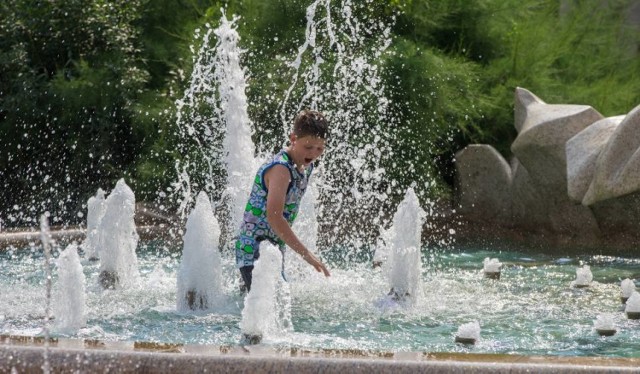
{"x": 27, "y": 359}
{"x": 26, "y": 354}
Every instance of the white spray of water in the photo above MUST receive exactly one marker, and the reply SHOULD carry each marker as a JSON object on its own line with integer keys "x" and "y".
{"x": 491, "y": 265}
{"x": 583, "y": 276}
{"x": 266, "y": 313}
{"x": 306, "y": 228}
{"x": 405, "y": 264}
{"x": 633, "y": 304}
{"x": 47, "y": 243}
{"x": 95, "y": 212}
{"x": 117, "y": 236}
{"x": 222, "y": 135}
{"x": 238, "y": 147}
{"x": 628, "y": 287}
{"x": 349, "y": 90}
{"x": 200, "y": 268}
{"x": 470, "y": 330}
{"x": 70, "y": 300}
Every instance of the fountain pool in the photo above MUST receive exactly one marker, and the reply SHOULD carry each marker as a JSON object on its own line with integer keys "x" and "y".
{"x": 531, "y": 310}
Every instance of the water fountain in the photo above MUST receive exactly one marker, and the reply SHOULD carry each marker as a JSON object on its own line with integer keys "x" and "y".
{"x": 405, "y": 264}
{"x": 632, "y": 308}
{"x": 95, "y": 212}
{"x": 628, "y": 287}
{"x": 69, "y": 300}
{"x": 491, "y": 268}
{"x": 118, "y": 239}
{"x": 605, "y": 325}
{"x": 262, "y": 313}
{"x": 468, "y": 333}
{"x": 199, "y": 283}
{"x": 215, "y": 129}
{"x": 583, "y": 277}
{"x": 47, "y": 244}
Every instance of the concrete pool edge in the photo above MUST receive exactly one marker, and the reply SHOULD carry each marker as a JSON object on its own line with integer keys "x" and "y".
{"x": 26, "y": 354}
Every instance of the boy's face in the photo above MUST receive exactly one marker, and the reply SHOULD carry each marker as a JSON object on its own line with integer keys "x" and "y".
{"x": 306, "y": 149}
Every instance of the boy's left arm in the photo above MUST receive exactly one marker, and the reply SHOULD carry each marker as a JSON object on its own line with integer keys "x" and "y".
{"x": 277, "y": 181}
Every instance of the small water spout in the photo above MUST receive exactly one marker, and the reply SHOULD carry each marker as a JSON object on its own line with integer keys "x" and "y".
{"x": 47, "y": 243}
{"x": 199, "y": 283}
{"x": 404, "y": 258}
{"x": 491, "y": 268}
{"x": 468, "y": 333}
{"x": 263, "y": 314}
{"x": 628, "y": 287}
{"x": 632, "y": 308}
{"x": 118, "y": 239}
{"x": 95, "y": 212}
{"x": 604, "y": 325}
{"x": 69, "y": 305}
{"x": 583, "y": 277}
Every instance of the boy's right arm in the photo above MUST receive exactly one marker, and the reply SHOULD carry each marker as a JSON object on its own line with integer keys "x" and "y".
{"x": 277, "y": 181}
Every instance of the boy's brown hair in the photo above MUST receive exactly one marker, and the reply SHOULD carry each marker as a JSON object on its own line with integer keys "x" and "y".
{"x": 311, "y": 123}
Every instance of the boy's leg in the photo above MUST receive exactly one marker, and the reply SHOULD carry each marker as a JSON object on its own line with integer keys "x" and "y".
{"x": 245, "y": 271}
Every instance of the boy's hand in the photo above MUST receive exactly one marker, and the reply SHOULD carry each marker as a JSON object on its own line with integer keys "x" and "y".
{"x": 317, "y": 264}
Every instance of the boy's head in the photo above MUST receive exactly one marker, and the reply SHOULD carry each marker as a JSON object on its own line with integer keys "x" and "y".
{"x": 310, "y": 130}
{"x": 311, "y": 123}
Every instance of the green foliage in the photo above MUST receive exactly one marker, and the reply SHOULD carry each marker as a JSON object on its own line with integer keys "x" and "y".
{"x": 88, "y": 87}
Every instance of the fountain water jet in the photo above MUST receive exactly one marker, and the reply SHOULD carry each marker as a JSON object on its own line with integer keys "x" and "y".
{"x": 199, "y": 281}
{"x": 491, "y": 268}
{"x": 468, "y": 333}
{"x": 95, "y": 212}
{"x": 405, "y": 264}
{"x": 583, "y": 277}
{"x": 118, "y": 239}
{"x": 264, "y": 312}
{"x": 632, "y": 308}
{"x": 70, "y": 299}
{"x": 47, "y": 243}
{"x": 216, "y": 130}
{"x": 628, "y": 287}
{"x": 604, "y": 325}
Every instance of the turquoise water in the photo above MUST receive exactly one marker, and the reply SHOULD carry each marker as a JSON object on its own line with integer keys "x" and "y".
{"x": 531, "y": 310}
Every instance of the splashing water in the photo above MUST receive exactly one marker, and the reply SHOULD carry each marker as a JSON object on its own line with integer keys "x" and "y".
{"x": 95, "y": 212}
{"x": 628, "y": 287}
{"x": 69, "y": 301}
{"x": 633, "y": 304}
{"x": 214, "y": 127}
{"x": 118, "y": 239}
{"x": 199, "y": 284}
{"x": 491, "y": 265}
{"x": 583, "y": 276}
{"x": 405, "y": 264}
{"x": 604, "y": 322}
{"x": 470, "y": 330}
{"x": 264, "y": 313}
{"x": 335, "y": 71}
{"x": 47, "y": 243}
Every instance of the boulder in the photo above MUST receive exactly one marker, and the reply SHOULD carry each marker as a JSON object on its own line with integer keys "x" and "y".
{"x": 536, "y": 209}
{"x": 484, "y": 184}
{"x": 582, "y": 153}
{"x": 543, "y": 130}
{"x": 617, "y": 170}
{"x": 528, "y": 203}
{"x": 619, "y": 218}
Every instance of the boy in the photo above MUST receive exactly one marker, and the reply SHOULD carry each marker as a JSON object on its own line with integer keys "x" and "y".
{"x": 276, "y": 193}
